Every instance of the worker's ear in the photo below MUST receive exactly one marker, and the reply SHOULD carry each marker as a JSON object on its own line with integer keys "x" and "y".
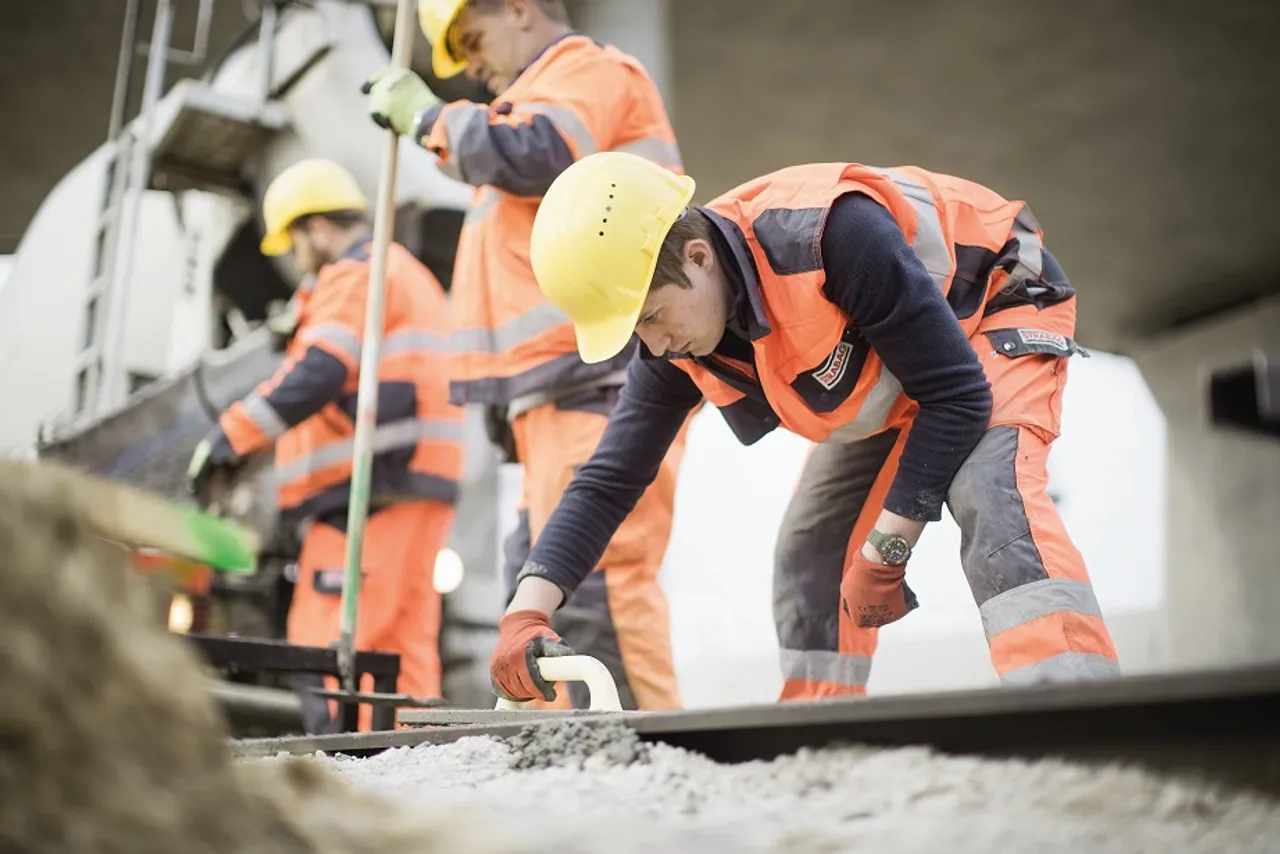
{"x": 520, "y": 13}
{"x": 698, "y": 252}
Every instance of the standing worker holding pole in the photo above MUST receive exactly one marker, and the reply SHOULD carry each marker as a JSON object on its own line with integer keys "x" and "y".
{"x": 561, "y": 96}
{"x": 343, "y": 393}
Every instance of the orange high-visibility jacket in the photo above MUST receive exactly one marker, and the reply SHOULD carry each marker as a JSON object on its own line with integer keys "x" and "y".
{"x": 956, "y": 227}
{"x": 576, "y": 98}
{"x": 308, "y": 408}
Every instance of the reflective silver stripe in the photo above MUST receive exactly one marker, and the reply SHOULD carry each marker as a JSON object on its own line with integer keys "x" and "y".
{"x": 1064, "y": 667}
{"x": 339, "y": 336}
{"x": 825, "y": 666}
{"x": 1030, "y": 249}
{"x": 264, "y": 416}
{"x": 1028, "y": 602}
{"x": 460, "y": 121}
{"x": 931, "y": 245}
{"x": 930, "y": 242}
{"x": 523, "y": 403}
{"x": 411, "y": 340}
{"x": 566, "y": 121}
{"x": 874, "y": 411}
{"x": 652, "y": 148}
{"x": 541, "y": 318}
{"x": 481, "y": 205}
{"x": 395, "y": 434}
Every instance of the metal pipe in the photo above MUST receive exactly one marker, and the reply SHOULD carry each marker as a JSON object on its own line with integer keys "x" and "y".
{"x": 124, "y": 65}
{"x": 112, "y": 389}
{"x": 266, "y": 49}
{"x": 367, "y": 391}
{"x": 200, "y": 42}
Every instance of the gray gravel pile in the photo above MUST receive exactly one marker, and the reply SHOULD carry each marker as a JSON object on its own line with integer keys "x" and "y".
{"x": 574, "y": 744}
{"x": 606, "y": 792}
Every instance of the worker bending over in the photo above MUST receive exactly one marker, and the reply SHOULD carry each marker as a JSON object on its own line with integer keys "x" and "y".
{"x": 561, "y": 96}
{"x": 909, "y": 323}
{"x": 308, "y": 411}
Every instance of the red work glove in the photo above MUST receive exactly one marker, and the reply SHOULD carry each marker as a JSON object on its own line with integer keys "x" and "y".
{"x": 874, "y": 594}
{"x": 523, "y": 637}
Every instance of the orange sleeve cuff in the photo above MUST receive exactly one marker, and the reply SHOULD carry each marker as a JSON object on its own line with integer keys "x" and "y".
{"x": 243, "y": 433}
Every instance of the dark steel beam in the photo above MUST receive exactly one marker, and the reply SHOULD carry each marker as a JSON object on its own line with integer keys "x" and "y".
{"x": 1224, "y": 724}
{"x": 261, "y": 655}
{"x": 265, "y": 655}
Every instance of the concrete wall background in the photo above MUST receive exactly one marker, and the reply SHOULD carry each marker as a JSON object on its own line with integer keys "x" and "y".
{"x": 1223, "y": 499}
{"x": 1140, "y": 132}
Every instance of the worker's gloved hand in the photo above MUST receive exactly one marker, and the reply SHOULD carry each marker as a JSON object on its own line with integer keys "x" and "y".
{"x": 396, "y": 96}
{"x": 523, "y": 637}
{"x": 282, "y": 320}
{"x": 874, "y": 594}
{"x": 213, "y": 453}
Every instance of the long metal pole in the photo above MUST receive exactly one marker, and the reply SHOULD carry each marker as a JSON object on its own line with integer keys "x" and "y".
{"x": 113, "y": 387}
{"x": 367, "y": 391}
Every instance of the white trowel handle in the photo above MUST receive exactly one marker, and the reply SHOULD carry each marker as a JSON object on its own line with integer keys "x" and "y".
{"x": 578, "y": 668}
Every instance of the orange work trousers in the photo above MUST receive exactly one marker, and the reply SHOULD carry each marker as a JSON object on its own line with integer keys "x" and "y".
{"x": 619, "y": 614}
{"x": 1038, "y": 609}
{"x": 399, "y": 606}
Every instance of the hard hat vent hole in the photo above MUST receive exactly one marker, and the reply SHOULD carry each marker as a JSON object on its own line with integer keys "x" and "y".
{"x": 602, "y": 234}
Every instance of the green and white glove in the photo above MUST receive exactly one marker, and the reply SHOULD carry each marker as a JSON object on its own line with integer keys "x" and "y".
{"x": 214, "y": 452}
{"x": 396, "y": 97}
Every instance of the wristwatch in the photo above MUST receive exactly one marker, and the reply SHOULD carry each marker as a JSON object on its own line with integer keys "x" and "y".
{"x": 894, "y": 550}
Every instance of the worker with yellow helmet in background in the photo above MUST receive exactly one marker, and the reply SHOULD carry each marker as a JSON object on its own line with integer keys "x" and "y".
{"x": 560, "y": 96}
{"x": 307, "y": 410}
{"x": 910, "y": 324}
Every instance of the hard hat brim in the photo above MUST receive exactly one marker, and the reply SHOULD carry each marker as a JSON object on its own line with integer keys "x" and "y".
{"x": 443, "y": 65}
{"x": 276, "y": 243}
{"x": 443, "y": 62}
{"x": 599, "y": 342}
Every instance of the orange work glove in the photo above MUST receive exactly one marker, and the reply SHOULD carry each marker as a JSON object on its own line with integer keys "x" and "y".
{"x": 875, "y": 594}
{"x": 523, "y": 637}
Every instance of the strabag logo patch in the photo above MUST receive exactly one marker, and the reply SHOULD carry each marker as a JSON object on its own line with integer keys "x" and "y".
{"x": 833, "y": 369}
{"x": 1038, "y": 336}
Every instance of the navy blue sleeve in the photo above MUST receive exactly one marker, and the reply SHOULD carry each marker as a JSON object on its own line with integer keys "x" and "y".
{"x": 521, "y": 159}
{"x": 879, "y": 281}
{"x": 651, "y": 408}
{"x": 315, "y": 380}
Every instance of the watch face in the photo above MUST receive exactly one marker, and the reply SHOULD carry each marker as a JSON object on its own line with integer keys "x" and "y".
{"x": 894, "y": 550}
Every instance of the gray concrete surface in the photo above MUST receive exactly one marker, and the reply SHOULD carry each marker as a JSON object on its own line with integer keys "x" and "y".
{"x": 1223, "y": 499}
{"x": 622, "y": 796}
{"x": 1139, "y": 132}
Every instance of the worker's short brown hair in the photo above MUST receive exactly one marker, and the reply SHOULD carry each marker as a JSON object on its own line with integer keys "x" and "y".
{"x": 553, "y": 9}
{"x": 693, "y": 224}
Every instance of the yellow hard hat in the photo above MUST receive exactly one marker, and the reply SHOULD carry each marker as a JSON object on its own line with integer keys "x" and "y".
{"x": 436, "y": 18}
{"x": 595, "y": 243}
{"x": 306, "y": 187}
